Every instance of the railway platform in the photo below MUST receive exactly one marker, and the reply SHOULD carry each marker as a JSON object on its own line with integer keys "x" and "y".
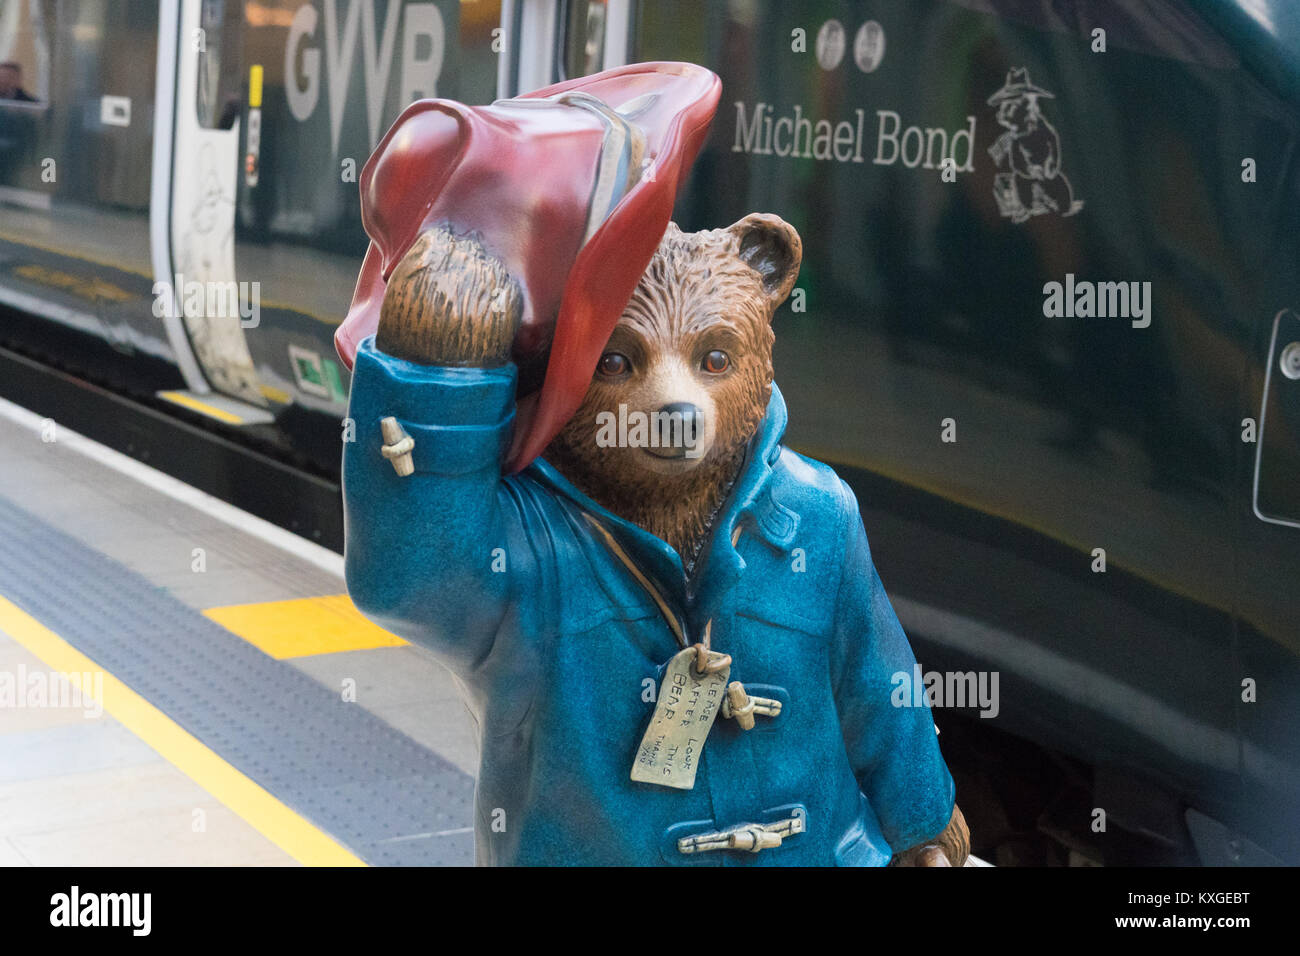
{"x": 182, "y": 683}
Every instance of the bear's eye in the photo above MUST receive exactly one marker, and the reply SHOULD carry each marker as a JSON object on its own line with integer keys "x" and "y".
{"x": 614, "y": 363}
{"x": 716, "y": 362}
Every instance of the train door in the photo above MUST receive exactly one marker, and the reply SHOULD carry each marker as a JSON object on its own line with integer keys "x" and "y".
{"x": 277, "y": 105}
{"x": 1268, "y": 604}
{"x": 202, "y": 39}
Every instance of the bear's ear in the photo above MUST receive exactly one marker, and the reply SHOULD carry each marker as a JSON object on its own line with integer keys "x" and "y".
{"x": 770, "y": 246}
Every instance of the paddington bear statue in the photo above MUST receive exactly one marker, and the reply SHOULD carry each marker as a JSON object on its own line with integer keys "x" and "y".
{"x": 568, "y": 483}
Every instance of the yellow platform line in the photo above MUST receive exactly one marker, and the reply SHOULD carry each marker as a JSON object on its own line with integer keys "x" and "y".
{"x": 292, "y": 833}
{"x": 302, "y": 627}
{"x": 203, "y": 408}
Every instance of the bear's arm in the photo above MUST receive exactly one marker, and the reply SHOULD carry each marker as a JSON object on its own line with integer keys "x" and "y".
{"x": 894, "y": 750}
{"x": 429, "y": 554}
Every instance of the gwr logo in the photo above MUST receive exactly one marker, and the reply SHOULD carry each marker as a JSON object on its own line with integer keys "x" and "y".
{"x": 421, "y": 62}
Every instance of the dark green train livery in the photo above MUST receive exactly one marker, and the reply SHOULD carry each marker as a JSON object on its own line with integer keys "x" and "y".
{"x": 1048, "y": 323}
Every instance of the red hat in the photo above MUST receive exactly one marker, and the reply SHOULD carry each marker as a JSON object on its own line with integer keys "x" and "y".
{"x": 571, "y": 186}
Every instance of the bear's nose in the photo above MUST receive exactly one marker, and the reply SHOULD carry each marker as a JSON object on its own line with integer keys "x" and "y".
{"x": 678, "y": 429}
{"x": 684, "y": 409}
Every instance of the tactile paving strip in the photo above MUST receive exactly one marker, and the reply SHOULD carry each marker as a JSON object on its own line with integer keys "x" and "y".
{"x": 369, "y": 786}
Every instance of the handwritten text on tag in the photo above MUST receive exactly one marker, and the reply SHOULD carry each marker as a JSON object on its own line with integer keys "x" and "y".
{"x": 688, "y": 704}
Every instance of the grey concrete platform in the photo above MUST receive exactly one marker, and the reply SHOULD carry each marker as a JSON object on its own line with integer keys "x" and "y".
{"x": 102, "y": 554}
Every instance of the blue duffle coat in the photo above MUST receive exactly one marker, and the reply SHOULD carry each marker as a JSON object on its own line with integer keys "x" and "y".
{"x": 555, "y": 640}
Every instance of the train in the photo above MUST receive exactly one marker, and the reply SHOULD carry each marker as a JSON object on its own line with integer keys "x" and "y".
{"x": 1047, "y": 324}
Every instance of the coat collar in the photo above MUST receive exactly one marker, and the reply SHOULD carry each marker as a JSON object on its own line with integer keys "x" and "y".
{"x": 751, "y": 506}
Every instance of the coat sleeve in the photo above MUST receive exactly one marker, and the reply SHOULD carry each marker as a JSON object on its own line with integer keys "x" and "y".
{"x": 421, "y": 550}
{"x": 894, "y": 750}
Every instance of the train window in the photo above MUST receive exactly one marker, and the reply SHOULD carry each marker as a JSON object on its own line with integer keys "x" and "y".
{"x": 24, "y": 53}
{"x": 583, "y": 37}
{"x": 24, "y": 90}
{"x": 660, "y": 36}
{"x": 481, "y": 47}
{"x": 11, "y": 83}
{"x": 216, "y": 43}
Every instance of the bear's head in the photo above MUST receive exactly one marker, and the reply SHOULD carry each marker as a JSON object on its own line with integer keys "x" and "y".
{"x": 684, "y": 380}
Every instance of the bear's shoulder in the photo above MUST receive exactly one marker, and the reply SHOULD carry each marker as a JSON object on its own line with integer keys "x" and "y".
{"x": 812, "y": 490}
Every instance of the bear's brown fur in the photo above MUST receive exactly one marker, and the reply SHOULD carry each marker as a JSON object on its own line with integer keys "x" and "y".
{"x": 702, "y": 291}
{"x": 449, "y": 302}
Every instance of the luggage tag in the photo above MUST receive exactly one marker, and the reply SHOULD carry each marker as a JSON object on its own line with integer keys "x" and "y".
{"x": 692, "y": 692}
{"x": 694, "y": 686}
